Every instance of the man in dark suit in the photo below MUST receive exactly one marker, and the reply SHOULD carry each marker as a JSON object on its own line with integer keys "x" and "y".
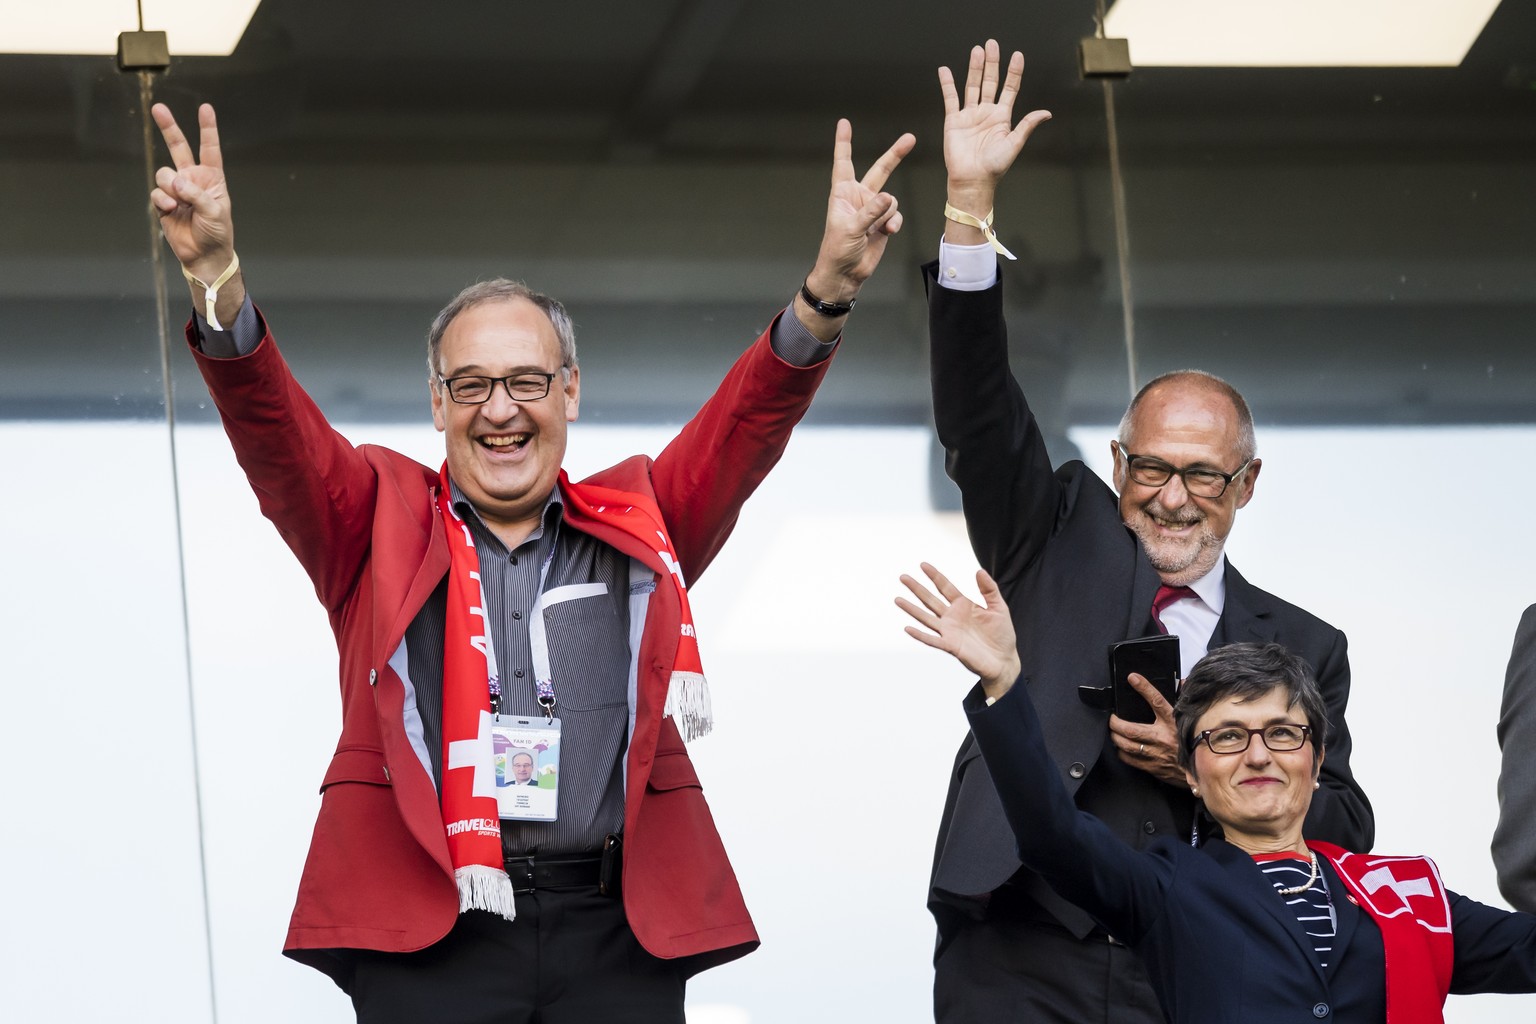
{"x": 1514, "y": 840}
{"x": 1080, "y": 566}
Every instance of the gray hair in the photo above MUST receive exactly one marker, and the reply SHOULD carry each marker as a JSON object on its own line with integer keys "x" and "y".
{"x": 1247, "y": 446}
{"x": 501, "y": 289}
{"x": 1248, "y": 671}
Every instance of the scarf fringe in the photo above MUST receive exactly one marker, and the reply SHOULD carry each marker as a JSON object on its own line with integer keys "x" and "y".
{"x": 688, "y": 704}
{"x": 482, "y": 887}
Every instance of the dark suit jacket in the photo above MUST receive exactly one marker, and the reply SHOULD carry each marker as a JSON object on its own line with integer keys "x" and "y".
{"x": 1219, "y": 943}
{"x": 1077, "y": 580}
{"x": 1514, "y": 840}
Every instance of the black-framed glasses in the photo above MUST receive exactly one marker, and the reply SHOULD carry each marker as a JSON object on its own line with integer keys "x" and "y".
{"x": 1201, "y": 481}
{"x": 1234, "y": 739}
{"x": 474, "y": 390}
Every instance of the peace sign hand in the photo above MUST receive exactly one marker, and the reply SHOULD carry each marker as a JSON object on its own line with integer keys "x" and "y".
{"x": 192, "y": 197}
{"x": 860, "y": 219}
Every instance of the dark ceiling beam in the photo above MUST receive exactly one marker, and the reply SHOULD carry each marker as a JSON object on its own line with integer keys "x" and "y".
{"x": 685, "y": 49}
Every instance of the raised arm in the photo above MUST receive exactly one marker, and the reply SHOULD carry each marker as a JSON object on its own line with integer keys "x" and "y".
{"x": 718, "y": 459}
{"x": 1073, "y": 850}
{"x": 315, "y": 487}
{"x": 994, "y": 450}
{"x": 861, "y": 217}
{"x": 192, "y": 198}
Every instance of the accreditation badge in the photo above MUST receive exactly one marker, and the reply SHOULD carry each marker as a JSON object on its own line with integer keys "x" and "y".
{"x": 526, "y": 752}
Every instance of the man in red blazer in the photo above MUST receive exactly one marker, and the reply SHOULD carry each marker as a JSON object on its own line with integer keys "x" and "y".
{"x": 497, "y": 590}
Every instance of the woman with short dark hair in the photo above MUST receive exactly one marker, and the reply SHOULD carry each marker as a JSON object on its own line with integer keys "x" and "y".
{"x": 1257, "y": 924}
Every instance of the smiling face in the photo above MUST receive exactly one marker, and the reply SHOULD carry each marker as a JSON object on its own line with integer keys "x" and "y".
{"x": 1259, "y": 796}
{"x": 504, "y": 455}
{"x": 1185, "y": 424}
{"x": 522, "y": 767}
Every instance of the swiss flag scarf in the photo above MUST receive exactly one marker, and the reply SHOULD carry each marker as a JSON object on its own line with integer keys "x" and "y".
{"x": 639, "y": 516}
{"x": 1407, "y": 900}
{"x": 470, "y": 814}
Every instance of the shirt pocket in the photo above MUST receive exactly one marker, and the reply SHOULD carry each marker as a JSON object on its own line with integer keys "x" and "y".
{"x": 589, "y": 648}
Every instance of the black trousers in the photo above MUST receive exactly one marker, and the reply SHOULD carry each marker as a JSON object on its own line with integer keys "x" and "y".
{"x": 569, "y": 958}
{"x": 1002, "y": 970}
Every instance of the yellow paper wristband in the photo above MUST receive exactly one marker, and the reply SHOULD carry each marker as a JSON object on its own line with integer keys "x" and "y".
{"x": 211, "y": 291}
{"x": 984, "y": 226}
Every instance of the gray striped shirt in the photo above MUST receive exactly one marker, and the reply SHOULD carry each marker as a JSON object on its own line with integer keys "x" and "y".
{"x": 589, "y": 659}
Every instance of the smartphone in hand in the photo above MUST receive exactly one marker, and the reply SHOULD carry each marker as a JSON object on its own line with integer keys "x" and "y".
{"x": 1157, "y": 658}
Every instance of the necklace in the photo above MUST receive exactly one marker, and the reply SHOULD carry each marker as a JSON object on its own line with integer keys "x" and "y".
{"x": 1295, "y": 889}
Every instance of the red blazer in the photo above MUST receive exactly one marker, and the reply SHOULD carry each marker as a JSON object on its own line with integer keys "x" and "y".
{"x": 361, "y": 521}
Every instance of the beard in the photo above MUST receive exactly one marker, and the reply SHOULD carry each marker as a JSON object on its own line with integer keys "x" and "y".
{"x": 1178, "y": 560}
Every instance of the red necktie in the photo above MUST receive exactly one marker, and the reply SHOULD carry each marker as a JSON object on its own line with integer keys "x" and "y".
{"x": 1166, "y": 595}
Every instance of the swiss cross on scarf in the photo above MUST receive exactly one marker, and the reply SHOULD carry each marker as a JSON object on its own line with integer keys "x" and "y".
{"x": 1407, "y": 900}
{"x": 470, "y": 815}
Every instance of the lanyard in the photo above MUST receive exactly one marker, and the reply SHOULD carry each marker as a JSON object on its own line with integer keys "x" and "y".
{"x": 538, "y": 640}
{"x": 538, "y": 643}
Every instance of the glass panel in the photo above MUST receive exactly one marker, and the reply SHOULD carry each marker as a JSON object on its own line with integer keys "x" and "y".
{"x": 1351, "y": 249}
{"x": 101, "y": 814}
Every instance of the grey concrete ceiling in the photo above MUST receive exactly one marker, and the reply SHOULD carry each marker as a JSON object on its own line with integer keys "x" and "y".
{"x": 1346, "y": 245}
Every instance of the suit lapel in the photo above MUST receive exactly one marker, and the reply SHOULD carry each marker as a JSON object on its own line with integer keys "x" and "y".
{"x": 1144, "y": 584}
{"x": 1261, "y": 893}
{"x": 1244, "y": 618}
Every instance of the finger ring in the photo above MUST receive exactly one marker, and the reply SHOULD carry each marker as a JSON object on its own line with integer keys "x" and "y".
{"x": 1141, "y": 749}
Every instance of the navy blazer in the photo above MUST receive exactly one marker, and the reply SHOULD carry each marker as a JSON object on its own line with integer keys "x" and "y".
{"x": 1219, "y": 943}
{"x": 1076, "y": 581}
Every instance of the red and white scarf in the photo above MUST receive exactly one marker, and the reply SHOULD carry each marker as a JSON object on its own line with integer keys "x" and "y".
{"x": 639, "y": 516}
{"x": 1408, "y": 902}
{"x": 470, "y": 813}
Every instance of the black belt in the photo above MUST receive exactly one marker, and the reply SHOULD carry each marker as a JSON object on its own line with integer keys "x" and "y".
{"x": 567, "y": 871}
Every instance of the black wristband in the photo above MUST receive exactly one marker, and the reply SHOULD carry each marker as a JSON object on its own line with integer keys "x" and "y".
{"x": 828, "y": 309}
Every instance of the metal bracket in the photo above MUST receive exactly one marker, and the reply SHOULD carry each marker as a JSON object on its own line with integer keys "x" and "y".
{"x": 1104, "y": 58}
{"x": 143, "y": 51}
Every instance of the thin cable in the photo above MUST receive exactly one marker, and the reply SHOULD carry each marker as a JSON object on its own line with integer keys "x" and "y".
{"x": 1122, "y": 229}
{"x": 141, "y": 14}
{"x": 162, "y": 317}
{"x": 1122, "y": 235}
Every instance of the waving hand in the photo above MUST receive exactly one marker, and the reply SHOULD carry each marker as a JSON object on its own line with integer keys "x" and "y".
{"x": 981, "y": 141}
{"x": 980, "y": 637}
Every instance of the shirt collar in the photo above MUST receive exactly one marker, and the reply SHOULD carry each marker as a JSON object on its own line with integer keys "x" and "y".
{"x": 1212, "y": 587}
{"x": 554, "y": 510}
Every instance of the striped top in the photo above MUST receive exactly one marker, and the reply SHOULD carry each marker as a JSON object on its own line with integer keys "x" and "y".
{"x": 1313, "y": 908}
